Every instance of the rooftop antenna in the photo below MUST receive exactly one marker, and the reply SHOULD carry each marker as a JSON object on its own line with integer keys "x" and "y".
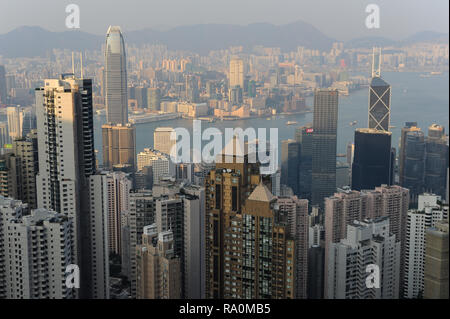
{"x": 376, "y": 62}
{"x": 81, "y": 61}
{"x": 73, "y": 65}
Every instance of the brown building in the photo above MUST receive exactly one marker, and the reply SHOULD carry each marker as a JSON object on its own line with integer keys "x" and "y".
{"x": 250, "y": 252}
{"x": 119, "y": 145}
{"x": 436, "y": 262}
{"x": 226, "y": 189}
{"x": 158, "y": 269}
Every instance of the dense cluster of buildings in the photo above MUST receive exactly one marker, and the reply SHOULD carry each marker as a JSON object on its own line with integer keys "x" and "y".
{"x": 141, "y": 226}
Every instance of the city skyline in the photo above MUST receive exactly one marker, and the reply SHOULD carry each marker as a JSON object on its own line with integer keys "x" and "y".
{"x": 290, "y": 166}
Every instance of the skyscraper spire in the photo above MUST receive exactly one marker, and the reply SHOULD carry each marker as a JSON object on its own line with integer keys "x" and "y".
{"x": 376, "y": 62}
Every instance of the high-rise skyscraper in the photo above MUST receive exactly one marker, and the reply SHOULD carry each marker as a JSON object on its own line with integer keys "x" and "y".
{"x": 413, "y": 174}
{"x": 346, "y": 206}
{"x": 366, "y": 243}
{"x": 372, "y": 165}
{"x": 100, "y": 206}
{"x": 158, "y": 266}
{"x": 3, "y": 90}
{"x": 304, "y": 136}
{"x": 409, "y": 126}
{"x": 35, "y": 268}
{"x": 290, "y": 160}
{"x": 324, "y": 145}
{"x": 66, "y": 157}
{"x": 116, "y": 77}
{"x": 226, "y": 189}
{"x": 436, "y": 160}
{"x": 15, "y": 121}
{"x": 379, "y": 97}
{"x": 436, "y": 262}
{"x": 119, "y": 145}
{"x": 236, "y": 73}
{"x": 297, "y": 214}
{"x": 431, "y": 210}
{"x": 18, "y": 168}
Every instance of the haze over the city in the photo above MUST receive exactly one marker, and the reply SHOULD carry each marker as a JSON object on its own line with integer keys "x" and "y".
{"x": 342, "y": 20}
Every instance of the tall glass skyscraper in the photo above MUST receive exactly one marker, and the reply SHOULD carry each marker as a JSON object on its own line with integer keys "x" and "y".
{"x": 116, "y": 77}
{"x": 324, "y": 145}
{"x": 372, "y": 165}
{"x": 379, "y": 96}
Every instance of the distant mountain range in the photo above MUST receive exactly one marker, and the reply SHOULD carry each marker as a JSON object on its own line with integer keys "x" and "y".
{"x": 36, "y": 41}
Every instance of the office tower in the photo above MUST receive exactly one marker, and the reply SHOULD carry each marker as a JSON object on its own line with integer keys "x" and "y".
{"x": 141, "y": 214}
{"x": 160, "y": 164}
{"x": 154, "y": 99}
{"x": 324, "y": 145}
{"x": 28, "y": 121}
{"x": 119, "y": 145}
{"x": 66, "y": 157}
{"x": 4, "y": 135}
{"x": 436, "y": 262}
{"x": 430, "y": 211}
{"x": 227, "y": 186}
{"x": 366, "y": 243}
{"x": 10, "y": 209}
{"x": 275, "y": 180}
{"x": 162, "y": 140}
{"x": 436, "y": 160}
{"x": 18, "y": 170}
{"x": 194, "y": 242}
{"x": 116, "y": 77}
{"x": 158, "y": 267}
{"x": 236, "y": 73}
{"x": 297, "y": 215}
{"x": 100, "y": 204}
{"x": 3, "y": 90}
{"x": 15, "y": 121}
{"x": 35, "y": 268}
{"x": 290, "y": 155}
{"x": 414, "y": 163}
{"x": 409, "y": 127}
{"x": 304, "y": 136}
{"x": 372, "y": 159}
{"x": 118, "y": 186}
{"x": 379, "y": 97}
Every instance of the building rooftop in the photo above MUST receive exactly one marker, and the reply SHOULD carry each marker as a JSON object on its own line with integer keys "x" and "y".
{"x": 261, "y": 194}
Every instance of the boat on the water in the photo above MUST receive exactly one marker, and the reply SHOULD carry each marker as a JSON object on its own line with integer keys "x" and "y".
{"x": 291, "y": 123}
{"x": 353, "y": 123}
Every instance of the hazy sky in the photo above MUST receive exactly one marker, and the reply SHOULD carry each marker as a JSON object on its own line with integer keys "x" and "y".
{"x": 340, "y": 19}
